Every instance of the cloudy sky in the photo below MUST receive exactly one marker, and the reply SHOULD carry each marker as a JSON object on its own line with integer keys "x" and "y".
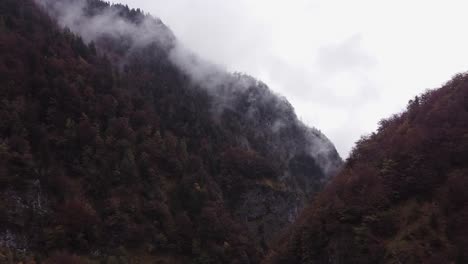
{"x": 343, "y": 65}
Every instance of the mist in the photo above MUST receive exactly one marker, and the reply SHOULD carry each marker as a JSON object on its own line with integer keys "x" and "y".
{"x": 224, "y": 86}
{"x": 72, "y": 14}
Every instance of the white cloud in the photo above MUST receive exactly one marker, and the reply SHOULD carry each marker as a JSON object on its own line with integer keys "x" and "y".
{"x": 344, "y": 65}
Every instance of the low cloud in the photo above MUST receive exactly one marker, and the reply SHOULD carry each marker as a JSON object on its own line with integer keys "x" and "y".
{"x": 227, "y": 89}
{"x": 344, "y": 65}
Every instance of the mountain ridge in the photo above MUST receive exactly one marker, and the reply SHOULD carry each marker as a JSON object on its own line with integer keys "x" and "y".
{"x": 116, "y": 151}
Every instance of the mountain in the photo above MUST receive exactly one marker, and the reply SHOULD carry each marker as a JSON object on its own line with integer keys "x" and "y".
{"x": 117, "y": 145}
{"x": 402, "y": 194}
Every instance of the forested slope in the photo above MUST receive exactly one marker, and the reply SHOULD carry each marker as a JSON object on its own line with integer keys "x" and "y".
{"x": 112, "y": 150}
{"x": 402, "y": 195}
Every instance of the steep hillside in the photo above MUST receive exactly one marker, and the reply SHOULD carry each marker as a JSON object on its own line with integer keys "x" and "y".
{"x": 116, "y": 144}
{"x": 402, "y": 195}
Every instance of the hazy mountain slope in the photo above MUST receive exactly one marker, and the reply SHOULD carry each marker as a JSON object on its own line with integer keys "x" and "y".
{"x": 120, "y": 145}
{"x": 402, "y": 195}
{"x": 244, "y": 108}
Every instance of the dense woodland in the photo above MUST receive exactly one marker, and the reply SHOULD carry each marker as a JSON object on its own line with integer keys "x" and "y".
{"x": 402, "y": 196}
{"x": 111, "y": 155}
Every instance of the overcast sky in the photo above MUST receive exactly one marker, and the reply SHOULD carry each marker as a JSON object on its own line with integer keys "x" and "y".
{"x": 343, "y": 65}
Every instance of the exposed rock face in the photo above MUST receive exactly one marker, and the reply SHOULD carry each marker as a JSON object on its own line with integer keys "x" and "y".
{"x": 305, "y": 160}
{"x": 19, "y": 207}
{"x": 266, "y": 211}
{"x": 269, "y": 206}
